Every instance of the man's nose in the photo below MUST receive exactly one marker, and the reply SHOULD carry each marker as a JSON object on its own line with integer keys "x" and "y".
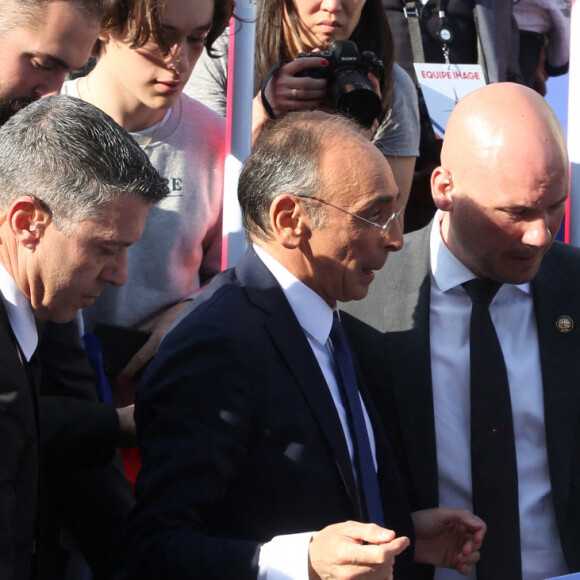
{"x": 51, "y": 85}
{"x": 115, "y": 272}
{"x": 394, "y": 237}
{"x": 537, "y": 233}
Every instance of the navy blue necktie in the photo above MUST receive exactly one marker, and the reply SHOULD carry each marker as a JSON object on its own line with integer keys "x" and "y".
{"x": 493, "y": 453}
{"x": 363, "y": 457}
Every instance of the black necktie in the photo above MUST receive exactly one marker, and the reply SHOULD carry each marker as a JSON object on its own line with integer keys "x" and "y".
{"x": 363, "y": 458}
{"x": 493, "y": 452}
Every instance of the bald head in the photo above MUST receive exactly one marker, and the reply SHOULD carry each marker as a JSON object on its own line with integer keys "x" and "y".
{"x": 502, "y": 119}
{"x": 503, "y": 181}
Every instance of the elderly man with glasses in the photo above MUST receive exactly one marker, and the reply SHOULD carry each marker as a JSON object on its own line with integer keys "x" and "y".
{"x": 255, "y": 431}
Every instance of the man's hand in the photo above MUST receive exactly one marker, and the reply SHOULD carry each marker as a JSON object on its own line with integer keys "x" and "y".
{"x": 449, "y": 538}
{"x": 352, "y": 550}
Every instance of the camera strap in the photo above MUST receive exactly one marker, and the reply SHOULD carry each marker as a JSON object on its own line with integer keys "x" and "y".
{"x": 272, "y": 72}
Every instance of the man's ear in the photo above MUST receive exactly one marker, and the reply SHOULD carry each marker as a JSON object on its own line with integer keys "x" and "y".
{"x": 27, "y": 220}
{"x": 442, "y": 188}
{"x": 287, "y": 218}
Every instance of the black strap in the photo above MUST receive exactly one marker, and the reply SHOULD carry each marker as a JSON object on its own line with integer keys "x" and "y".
{"x": 480, "y": 55}
{"x": 272, "y": 72}
{"x": 413, "y": 16}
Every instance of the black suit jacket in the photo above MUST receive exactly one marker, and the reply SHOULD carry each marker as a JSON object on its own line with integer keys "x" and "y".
{"x": 389, "y": 331}
{"x": 78, "y": 433}
{"x": 19, "y": 443}
{"x": 240, "y": 439}
{"x": 85, "y": 488}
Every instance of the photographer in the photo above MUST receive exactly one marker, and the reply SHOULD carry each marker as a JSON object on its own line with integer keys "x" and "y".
{"x": 286, "y": 29}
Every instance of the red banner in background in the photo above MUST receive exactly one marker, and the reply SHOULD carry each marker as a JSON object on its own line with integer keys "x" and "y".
{"x": 572, "y": 224}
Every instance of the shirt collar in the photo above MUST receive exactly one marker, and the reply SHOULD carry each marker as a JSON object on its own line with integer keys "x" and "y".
{"x": 313, "y": 313}
{"x": 19, "y": 313}
{"x": 447, "y": 270}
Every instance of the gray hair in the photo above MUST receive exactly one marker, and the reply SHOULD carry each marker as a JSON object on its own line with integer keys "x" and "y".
{"x": 286, "y": 160}
{"x": 74, "y": 159}
{"x": 14, "y": 13}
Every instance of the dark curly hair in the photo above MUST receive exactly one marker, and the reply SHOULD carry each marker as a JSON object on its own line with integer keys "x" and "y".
{"x": 140, "y": 19}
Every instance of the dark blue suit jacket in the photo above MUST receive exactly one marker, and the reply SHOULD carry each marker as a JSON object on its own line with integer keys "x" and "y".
{"x": 240, "y": 439}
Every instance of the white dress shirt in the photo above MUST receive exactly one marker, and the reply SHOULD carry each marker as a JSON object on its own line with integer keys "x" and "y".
{"x": 19, "y": 313}
{"x": 512, "y": 312}
{"x": 286, "y": 557}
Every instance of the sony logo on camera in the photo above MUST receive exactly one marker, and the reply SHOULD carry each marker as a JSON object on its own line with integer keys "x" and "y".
{"x": 347, "y": 73}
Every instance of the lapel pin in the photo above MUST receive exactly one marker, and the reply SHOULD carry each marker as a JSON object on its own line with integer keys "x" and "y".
{"x": 564, "y": 324}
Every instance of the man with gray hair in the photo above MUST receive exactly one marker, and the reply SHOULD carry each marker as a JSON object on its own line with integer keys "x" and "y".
{"x": 260, "y": 459}
{"x": 40, "y": 42}
{"x": 74, "y": 194}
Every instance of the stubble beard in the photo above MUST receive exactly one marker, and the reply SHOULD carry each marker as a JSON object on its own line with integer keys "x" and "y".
{"x": 9, "y": 107}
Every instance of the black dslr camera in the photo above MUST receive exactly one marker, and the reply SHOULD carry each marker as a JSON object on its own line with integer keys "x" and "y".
{"x": 346, "y": 73}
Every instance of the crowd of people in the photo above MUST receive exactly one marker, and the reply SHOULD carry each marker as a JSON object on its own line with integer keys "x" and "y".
{"x": 315, "y": 412}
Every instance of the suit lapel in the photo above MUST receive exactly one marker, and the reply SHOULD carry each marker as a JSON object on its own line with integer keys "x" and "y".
{"x": 288, "y": 336}
{"x": 390, "y": 482}
{"x": 10, "y": 365}
{"x": 408, "y": 351}
{"x": 555, "y": 297}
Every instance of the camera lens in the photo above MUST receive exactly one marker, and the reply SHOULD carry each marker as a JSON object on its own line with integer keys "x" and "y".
{"x": 354, "y": 96}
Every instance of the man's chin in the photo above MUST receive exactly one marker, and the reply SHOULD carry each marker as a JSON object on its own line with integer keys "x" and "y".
{"x": 10, "y": 107}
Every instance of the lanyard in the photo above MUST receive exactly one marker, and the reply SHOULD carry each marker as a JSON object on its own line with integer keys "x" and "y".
{"x": 444, "y": 33}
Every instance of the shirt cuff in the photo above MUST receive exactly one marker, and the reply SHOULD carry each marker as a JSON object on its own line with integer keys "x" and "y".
{"x": 285, "y": 557}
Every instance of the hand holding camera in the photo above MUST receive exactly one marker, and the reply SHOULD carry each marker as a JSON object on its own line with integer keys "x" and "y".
{"x": 336, "y": 79}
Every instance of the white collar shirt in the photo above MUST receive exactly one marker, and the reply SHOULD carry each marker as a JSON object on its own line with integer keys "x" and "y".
{"x": 512, "y": 312}
{"x": 20, "y": 314}
{"x": 315, "y": 317}
{"x": 286, "y": 556}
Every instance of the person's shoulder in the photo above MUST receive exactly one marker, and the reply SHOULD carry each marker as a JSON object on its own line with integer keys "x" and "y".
{"x": 411, "y": 260}
{"x": 560, "y": 268}
{"x": 201, "y": 131}
{"x": 204, "y": 118}
{"x": 400, "y": 131}
{"x": 567, "y": 252}
{"x": 221, "y": 45}
{"x": 566, "y": 257}
{"x": 417, "y": 240}
{"x": 402, "y": 80}
{"x": 208, "y": 79}
{"x": 225, "y": 298}
{"x": 218, "y": 296}
{"x": 404, "y": 92}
